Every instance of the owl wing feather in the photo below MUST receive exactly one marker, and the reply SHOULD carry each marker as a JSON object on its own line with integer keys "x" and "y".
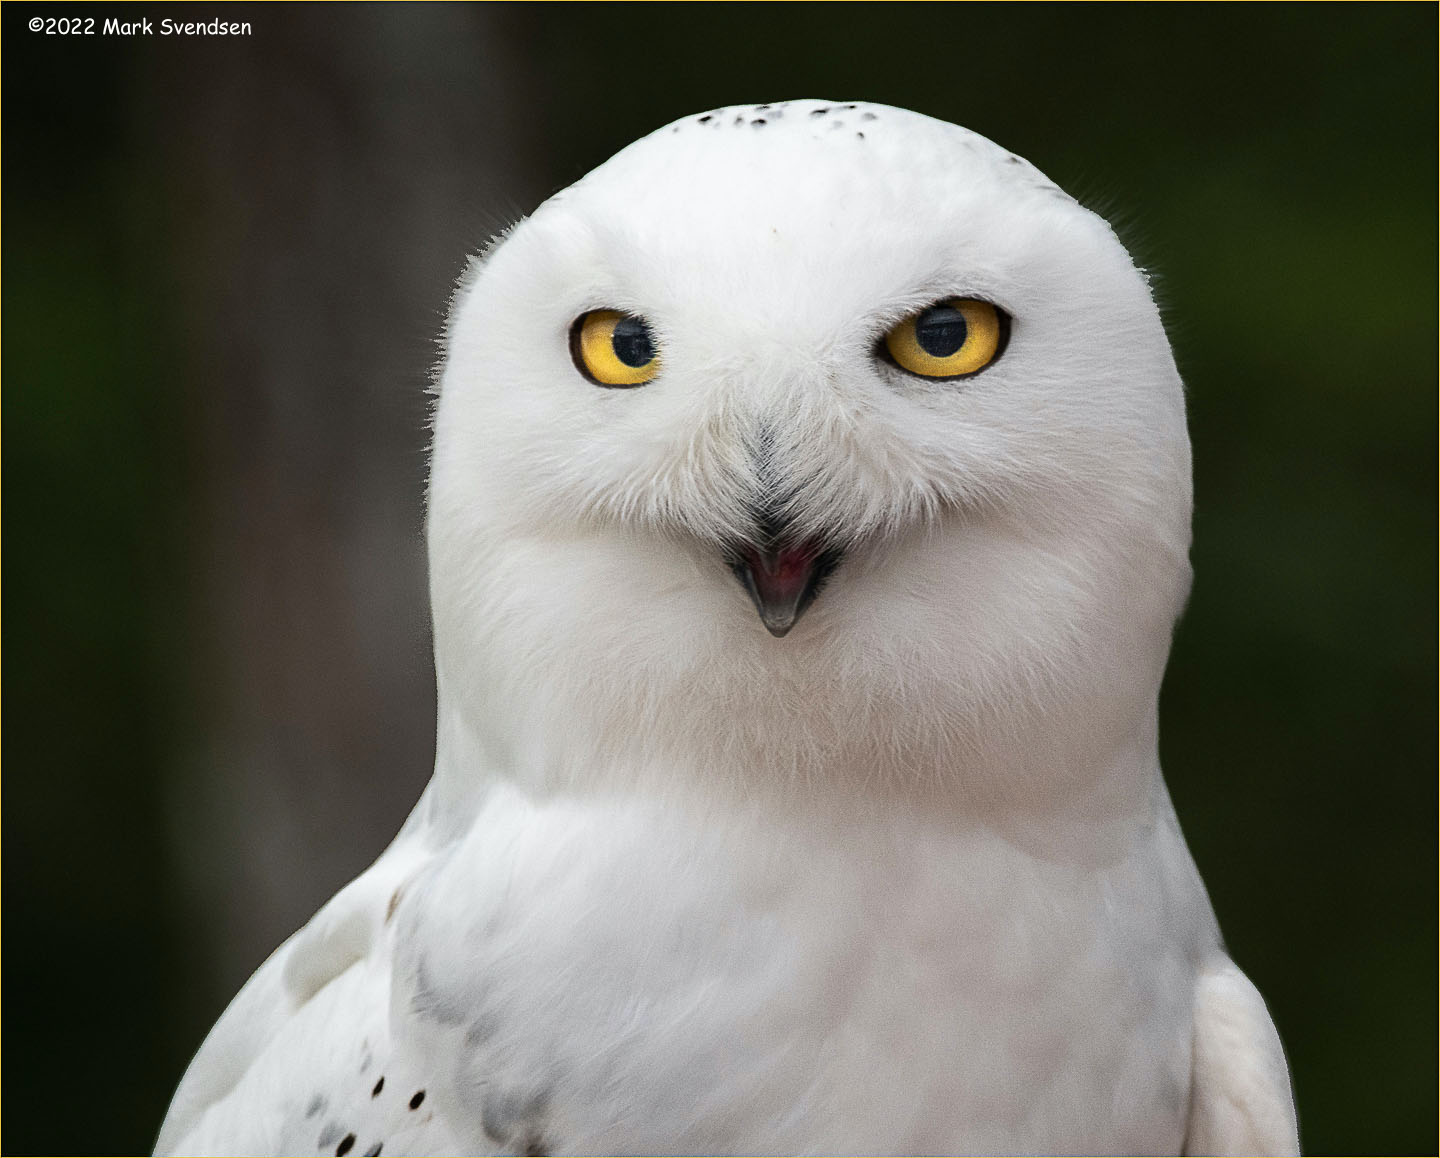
{"x": 1240, "y": 1099}
{"x": 343, "y": 934}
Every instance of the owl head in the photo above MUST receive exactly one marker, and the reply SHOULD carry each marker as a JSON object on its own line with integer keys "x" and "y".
{"x": 808, "y": 444}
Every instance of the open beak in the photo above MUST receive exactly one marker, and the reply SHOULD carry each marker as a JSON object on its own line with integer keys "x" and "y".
{"x": 783, "y": 581}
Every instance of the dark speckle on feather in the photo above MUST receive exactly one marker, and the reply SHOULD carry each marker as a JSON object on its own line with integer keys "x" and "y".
{"x": 481, "y": 1030}
{"x": 758, "y": 123}
{"x": 859, "y": 136}
{"x": 868, "y": 117}
{"x": 416, "y": 1099}
{"x": 380, "y": 1085}
{"x": 328, "y": 1135}
{"x": 516, "y": 1120}
{"x": 819, "y": 112}
{"x": 346, "y": 1143}
{"x": 374, "y": 1151}
{"x": 317, "y": 1104}
{"x": 427, "y": 1002}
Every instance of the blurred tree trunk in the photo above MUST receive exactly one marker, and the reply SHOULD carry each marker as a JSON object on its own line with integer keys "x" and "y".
{"x": 329, "y": 175}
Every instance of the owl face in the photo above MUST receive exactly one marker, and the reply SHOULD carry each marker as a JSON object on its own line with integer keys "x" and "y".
{"x": 835, "y": 373}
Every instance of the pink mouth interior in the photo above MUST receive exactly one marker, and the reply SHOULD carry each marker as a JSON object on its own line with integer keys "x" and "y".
{"x": 781, "y": 577}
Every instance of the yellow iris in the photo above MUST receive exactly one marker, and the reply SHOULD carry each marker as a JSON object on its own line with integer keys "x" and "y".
{"x": 614, "y": 349}
{"x": 951, "y": 339}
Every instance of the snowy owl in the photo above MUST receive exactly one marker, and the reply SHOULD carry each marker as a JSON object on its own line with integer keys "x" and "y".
{"x": 809, "y": 515}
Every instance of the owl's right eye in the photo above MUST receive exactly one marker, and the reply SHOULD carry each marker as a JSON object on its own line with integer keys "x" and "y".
{"x": 614, "y": 349}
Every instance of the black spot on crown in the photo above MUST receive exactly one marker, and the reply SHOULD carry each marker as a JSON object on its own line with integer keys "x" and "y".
{"x": 705, "y": 120}
{"x": 868, "y": 117}
{"x": 758, "y": 123}
{"x": 819, "y": 112}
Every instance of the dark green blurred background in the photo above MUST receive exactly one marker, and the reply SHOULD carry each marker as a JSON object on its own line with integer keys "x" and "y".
{"x": 224, "y": 265}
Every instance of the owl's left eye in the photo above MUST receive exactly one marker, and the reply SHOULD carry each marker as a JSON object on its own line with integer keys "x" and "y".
{"x": 951, "y": 339}
{"x": 614, "y": 349}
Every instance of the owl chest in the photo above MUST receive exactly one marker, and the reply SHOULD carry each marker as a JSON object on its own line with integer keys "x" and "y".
{"x": 715, "y": 996}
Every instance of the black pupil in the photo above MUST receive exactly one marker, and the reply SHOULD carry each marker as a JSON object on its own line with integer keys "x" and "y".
{"x": 940, "y": 330}
{"x": 632, "y": 343}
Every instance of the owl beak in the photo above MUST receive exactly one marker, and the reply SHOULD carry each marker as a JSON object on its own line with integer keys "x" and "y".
{"x": 783, "y": 581}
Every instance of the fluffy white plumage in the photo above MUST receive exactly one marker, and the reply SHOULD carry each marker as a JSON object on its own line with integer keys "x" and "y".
{"x": 904, "y": 881}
